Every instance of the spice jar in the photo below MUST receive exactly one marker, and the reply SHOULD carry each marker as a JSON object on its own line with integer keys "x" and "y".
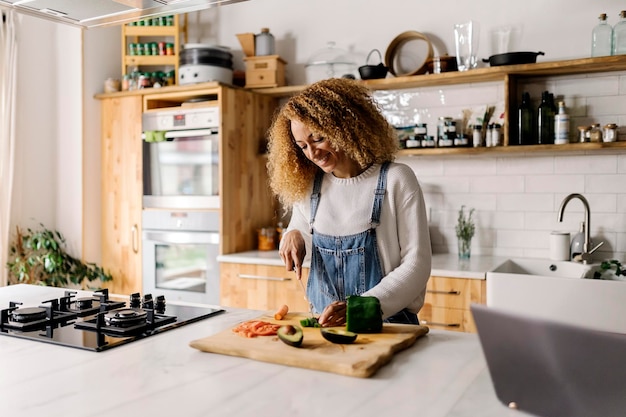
{"x": 477, "y": 136}
{"x": 610, "y": 132}
{"x": 267, "y": 238}
{"x": 595, "y": 134}
{"x": 583, "y": 134}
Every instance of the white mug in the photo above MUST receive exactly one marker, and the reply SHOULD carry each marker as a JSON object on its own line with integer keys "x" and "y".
{"x": 559, "y": 246}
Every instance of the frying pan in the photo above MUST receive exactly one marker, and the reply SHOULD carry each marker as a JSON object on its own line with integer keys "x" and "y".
{"x": 513, "y": 58}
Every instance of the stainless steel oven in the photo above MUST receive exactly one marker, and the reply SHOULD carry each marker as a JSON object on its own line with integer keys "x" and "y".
{"x": 180, "y": 250}
{"x": 181, "y": 157}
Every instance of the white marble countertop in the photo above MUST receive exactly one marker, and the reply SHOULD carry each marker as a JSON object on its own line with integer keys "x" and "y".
{"x": 442, "y": 375}
{"x": 443, "y": 265}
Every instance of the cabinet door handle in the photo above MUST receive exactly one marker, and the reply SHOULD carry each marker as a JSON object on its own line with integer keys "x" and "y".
{"x": 433, "y": 323}
{"x": 449, "y": 292}
{"x": 262, "y": 277}
{"x": 134, "y": 237}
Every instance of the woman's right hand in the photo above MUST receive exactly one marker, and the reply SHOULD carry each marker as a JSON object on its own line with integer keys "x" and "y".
{"x": 292, "y": 251}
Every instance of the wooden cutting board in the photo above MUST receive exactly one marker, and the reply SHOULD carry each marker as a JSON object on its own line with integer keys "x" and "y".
{"x": 360, "y": 359}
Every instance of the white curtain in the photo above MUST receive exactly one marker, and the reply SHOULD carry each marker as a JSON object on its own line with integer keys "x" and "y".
{"x": 8, "y": 71}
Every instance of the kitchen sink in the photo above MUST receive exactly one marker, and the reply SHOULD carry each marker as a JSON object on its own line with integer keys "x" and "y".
{"x": 546, "y": 267}
{"x": 558, "y": 290}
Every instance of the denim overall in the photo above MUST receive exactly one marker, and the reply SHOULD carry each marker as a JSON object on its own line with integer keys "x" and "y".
{"x": 347, "y": 265}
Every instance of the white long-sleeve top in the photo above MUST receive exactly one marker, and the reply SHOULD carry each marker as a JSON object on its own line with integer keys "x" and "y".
{"x": 403, "y": 237}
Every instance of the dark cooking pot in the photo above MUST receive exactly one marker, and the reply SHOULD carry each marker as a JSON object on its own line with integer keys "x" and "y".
{"x": 513, "y": 58}
{"x": 198, "y": 54}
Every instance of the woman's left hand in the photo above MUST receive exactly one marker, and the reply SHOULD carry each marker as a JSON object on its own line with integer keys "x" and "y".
{"x": 334, "y": 314}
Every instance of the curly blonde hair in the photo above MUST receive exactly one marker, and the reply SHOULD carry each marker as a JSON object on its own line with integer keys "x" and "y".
{"x": 342, "y": 111}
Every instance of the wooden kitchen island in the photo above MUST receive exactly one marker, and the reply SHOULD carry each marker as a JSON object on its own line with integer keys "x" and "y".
{"x": 442, "y": 374}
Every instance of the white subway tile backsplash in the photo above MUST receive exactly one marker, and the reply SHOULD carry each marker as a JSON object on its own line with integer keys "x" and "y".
{"x": 585, "y": 164}
{"x": 497, "y": 184}
{"x": 606, "y": 105}
{"x": 605, "y": 183}
{"x": 555, "y": 183}
{"x": 522, "y": 239}
{"x": 515, "y": 166}
{"x": 568, "y": 86}
{"x": 523, "y": 202}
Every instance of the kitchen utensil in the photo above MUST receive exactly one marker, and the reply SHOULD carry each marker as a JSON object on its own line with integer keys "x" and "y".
{"x": 306, "y": 298}
{"x": 372, "y": 72}
{"x": 360, "y": 359}
{"x": 203, "y": 63}
{"x": 407, "y": 54}
{"x": 513, "y": 58}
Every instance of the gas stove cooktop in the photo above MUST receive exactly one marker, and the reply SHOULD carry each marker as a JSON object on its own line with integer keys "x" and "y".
{"x": 97, "y": 322}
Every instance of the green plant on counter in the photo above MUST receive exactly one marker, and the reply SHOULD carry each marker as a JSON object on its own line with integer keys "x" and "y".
{"x": 464, "y": 232}
{"x": 610, "y": 265}
{"x": 465, "y": 227}
{"x": 39, "y": 257}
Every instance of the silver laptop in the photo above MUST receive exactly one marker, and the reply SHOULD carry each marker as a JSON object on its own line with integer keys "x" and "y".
{"x": 552, "y": 369}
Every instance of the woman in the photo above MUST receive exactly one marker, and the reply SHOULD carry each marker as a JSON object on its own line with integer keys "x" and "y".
{"x": 360, "y": 216}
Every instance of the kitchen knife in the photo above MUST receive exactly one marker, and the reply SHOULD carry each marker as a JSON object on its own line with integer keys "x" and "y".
{"x": 306, "y": 298}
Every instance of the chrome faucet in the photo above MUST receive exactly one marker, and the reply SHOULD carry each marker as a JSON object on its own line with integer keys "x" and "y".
{"x": 585, "y": 256}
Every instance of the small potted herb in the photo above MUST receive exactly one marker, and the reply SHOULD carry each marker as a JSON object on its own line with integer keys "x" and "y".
{"x": 611, "y": 270}
{"x": 465, "y": 229}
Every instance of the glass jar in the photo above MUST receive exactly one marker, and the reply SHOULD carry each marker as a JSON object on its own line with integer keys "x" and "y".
{"x": 330, "y": 62}
{"x": 595, "y": 134}
{"x": 610, "y": 132}
{"x": 583, "y": 134}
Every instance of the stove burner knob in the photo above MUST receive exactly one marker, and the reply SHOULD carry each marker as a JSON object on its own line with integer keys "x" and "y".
{"x": 135, "y": 300}
{"x": 160, "y": 304}
{"x": 148, "y": 302}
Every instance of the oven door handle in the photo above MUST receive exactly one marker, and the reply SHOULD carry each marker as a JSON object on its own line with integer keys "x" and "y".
{"x": 172, "y": 134}
{"x": 178, "y": 237}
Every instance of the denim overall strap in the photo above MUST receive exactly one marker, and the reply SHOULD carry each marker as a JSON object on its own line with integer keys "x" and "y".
{"x": 379, "y": 195}
{"x": 344, "y": 265}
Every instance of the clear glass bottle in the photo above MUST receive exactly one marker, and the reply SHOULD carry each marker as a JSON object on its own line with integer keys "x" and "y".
{"x": 602, "y": 38}
{"x": 619, "y": 35}
{"x": 545, "y": 120}
{"x": 525, "y": 117}
{"x": 561, "y": 126}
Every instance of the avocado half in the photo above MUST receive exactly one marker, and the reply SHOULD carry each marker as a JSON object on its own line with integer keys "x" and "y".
{"x": 338, "y": 335}
{"x": 291, "y": 335}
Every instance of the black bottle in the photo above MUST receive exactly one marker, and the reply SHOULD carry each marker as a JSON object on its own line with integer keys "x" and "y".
{"x": 525, "y": 117}
{"x": 545, "y": 120}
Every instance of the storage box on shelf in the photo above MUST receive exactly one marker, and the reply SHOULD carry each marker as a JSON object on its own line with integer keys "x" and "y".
{"x": 166, "y": 37}
{"x": 447, "y": 303}
{"x": 509, "y": 76}
{"x": 261, "y": 287}
{"x": 265, "y": 71}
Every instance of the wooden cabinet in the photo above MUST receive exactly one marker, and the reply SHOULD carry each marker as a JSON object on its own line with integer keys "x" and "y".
{"x": 246, "y": 202}
{"x": 447, "y": 303}
{"x": 261, "y": 287}
{"x": 146, "y": 35}
{"x": 122, "y": 192}
{"x": 509, "y": 76}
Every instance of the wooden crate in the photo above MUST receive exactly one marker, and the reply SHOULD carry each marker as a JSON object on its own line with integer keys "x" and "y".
{"x": 265, "y": 71}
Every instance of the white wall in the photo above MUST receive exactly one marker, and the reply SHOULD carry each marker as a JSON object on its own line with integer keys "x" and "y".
{"x": 48, "y": 193}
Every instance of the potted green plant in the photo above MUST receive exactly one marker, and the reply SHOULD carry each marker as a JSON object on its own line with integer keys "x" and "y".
{"x": 612, "y": 270}
{"x": 465, "y": 229}
{"x": 39, "y": 257}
